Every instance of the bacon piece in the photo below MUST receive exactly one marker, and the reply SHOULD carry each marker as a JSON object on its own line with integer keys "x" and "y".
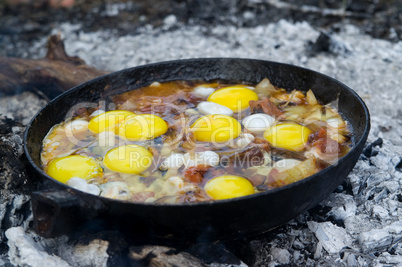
{"x": 329, "y": 146}
{"x": 233, "y": 168}
{"x": 295, "y": 97}
{"x": 257, "y": 179}
{"x": 262, "y": 143}
{"x": 214, "y": 172}
{"x": 324, "y": 143}
{"x": 249, "y": 158}
{"x": 321, "y": 133}
{"x": 195, "y": 174}
{"x": 82, "y": 112}
{"x": 265, "y": 106}
{"x": 272, "y": 177}
{"x": 326, "y": 149}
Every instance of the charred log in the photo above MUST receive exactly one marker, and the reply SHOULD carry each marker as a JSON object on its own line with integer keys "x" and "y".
{"x": 52, "y": 75}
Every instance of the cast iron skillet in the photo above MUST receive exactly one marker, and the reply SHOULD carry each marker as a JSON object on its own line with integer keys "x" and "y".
{"x": 59, "y": 209}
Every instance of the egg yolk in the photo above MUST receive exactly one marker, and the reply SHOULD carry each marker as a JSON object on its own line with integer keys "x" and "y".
{"x": 63, "y": 169}
{"x": 228, "y": 186}
{"x": 128, "y": 159}
{"x": 142, "y": 127}
{"x": 290, "y": 136}
{"x": 108, "y": 121}
{"x": 216, "y": 128}
{"x": 236, "y": 98}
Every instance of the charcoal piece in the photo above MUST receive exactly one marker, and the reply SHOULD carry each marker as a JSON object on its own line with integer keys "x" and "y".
{"x": 378, "y": 142}
{"x": 329, "y": 44}
{"x": 398, "y": 166}
{"x": 13, "y": 176}
{"x": 369, "y": 152}
{"x": 319, "y": 213}
{"x": 214, "y": 253}
{"x": 253, "y": 156}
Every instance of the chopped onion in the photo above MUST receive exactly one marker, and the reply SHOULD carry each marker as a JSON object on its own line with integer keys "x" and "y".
{"x": 96, "y": 113}
{"x": 286, "y": 164}
{"x": 174, "y": 161}
{"x": 174, "y": 183}
{"x": 107, "y": 139}
{"x": 310, "y": 97}
{"x": 116, "y": 190}
{"x": 264, "y": 88}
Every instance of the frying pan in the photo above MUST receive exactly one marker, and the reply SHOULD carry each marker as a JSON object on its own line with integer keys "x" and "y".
{"x": 59, "y": 209}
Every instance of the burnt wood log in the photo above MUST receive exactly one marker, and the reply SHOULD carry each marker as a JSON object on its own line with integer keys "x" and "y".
{"x": 52, "y": 75}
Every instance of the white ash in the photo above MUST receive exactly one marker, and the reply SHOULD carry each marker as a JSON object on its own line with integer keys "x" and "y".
{"x": 24, "y": 251}
{"x": 282, "y": 256}
{"x": 361, "y": 225}
{"x": 21, "y": 107}
{"x": 331, "y": 237}
{"x": 27, "y": 249}
{"x": 381, "y": 238}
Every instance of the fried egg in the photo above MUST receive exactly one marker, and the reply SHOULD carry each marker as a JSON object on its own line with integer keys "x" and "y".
{"x": 142, "y": 127}
{"x": 108, "y": 121}
{"x": 64, "y": 168}
{"x": 236, "y": 98}
{"x": 216, "y": 128}
{"x": 133, "y": 159}
{"x": 290, "y": 136}
{"x": 228, "y": 186}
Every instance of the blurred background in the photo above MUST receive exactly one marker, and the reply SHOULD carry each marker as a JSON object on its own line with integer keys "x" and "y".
{"x": 22, "y": 22}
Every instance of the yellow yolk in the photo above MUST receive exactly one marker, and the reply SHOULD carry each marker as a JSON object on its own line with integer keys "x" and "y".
{"x": 63, "y": 169}
{"x": 290, "y": 136}
{"x": 228, "y": 186}
{"x": 128, "y": 159}
{"x": 216, "y": 128}
{"x": 108, "y": 121}
{"x": 236, "y": 98}
{"x": 142, "y": 127}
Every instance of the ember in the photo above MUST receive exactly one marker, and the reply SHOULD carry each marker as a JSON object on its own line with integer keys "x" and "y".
{"x": 357, "y": 225}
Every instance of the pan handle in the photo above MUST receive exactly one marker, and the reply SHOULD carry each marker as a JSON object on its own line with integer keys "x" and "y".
{"x": 58, "y": 212}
